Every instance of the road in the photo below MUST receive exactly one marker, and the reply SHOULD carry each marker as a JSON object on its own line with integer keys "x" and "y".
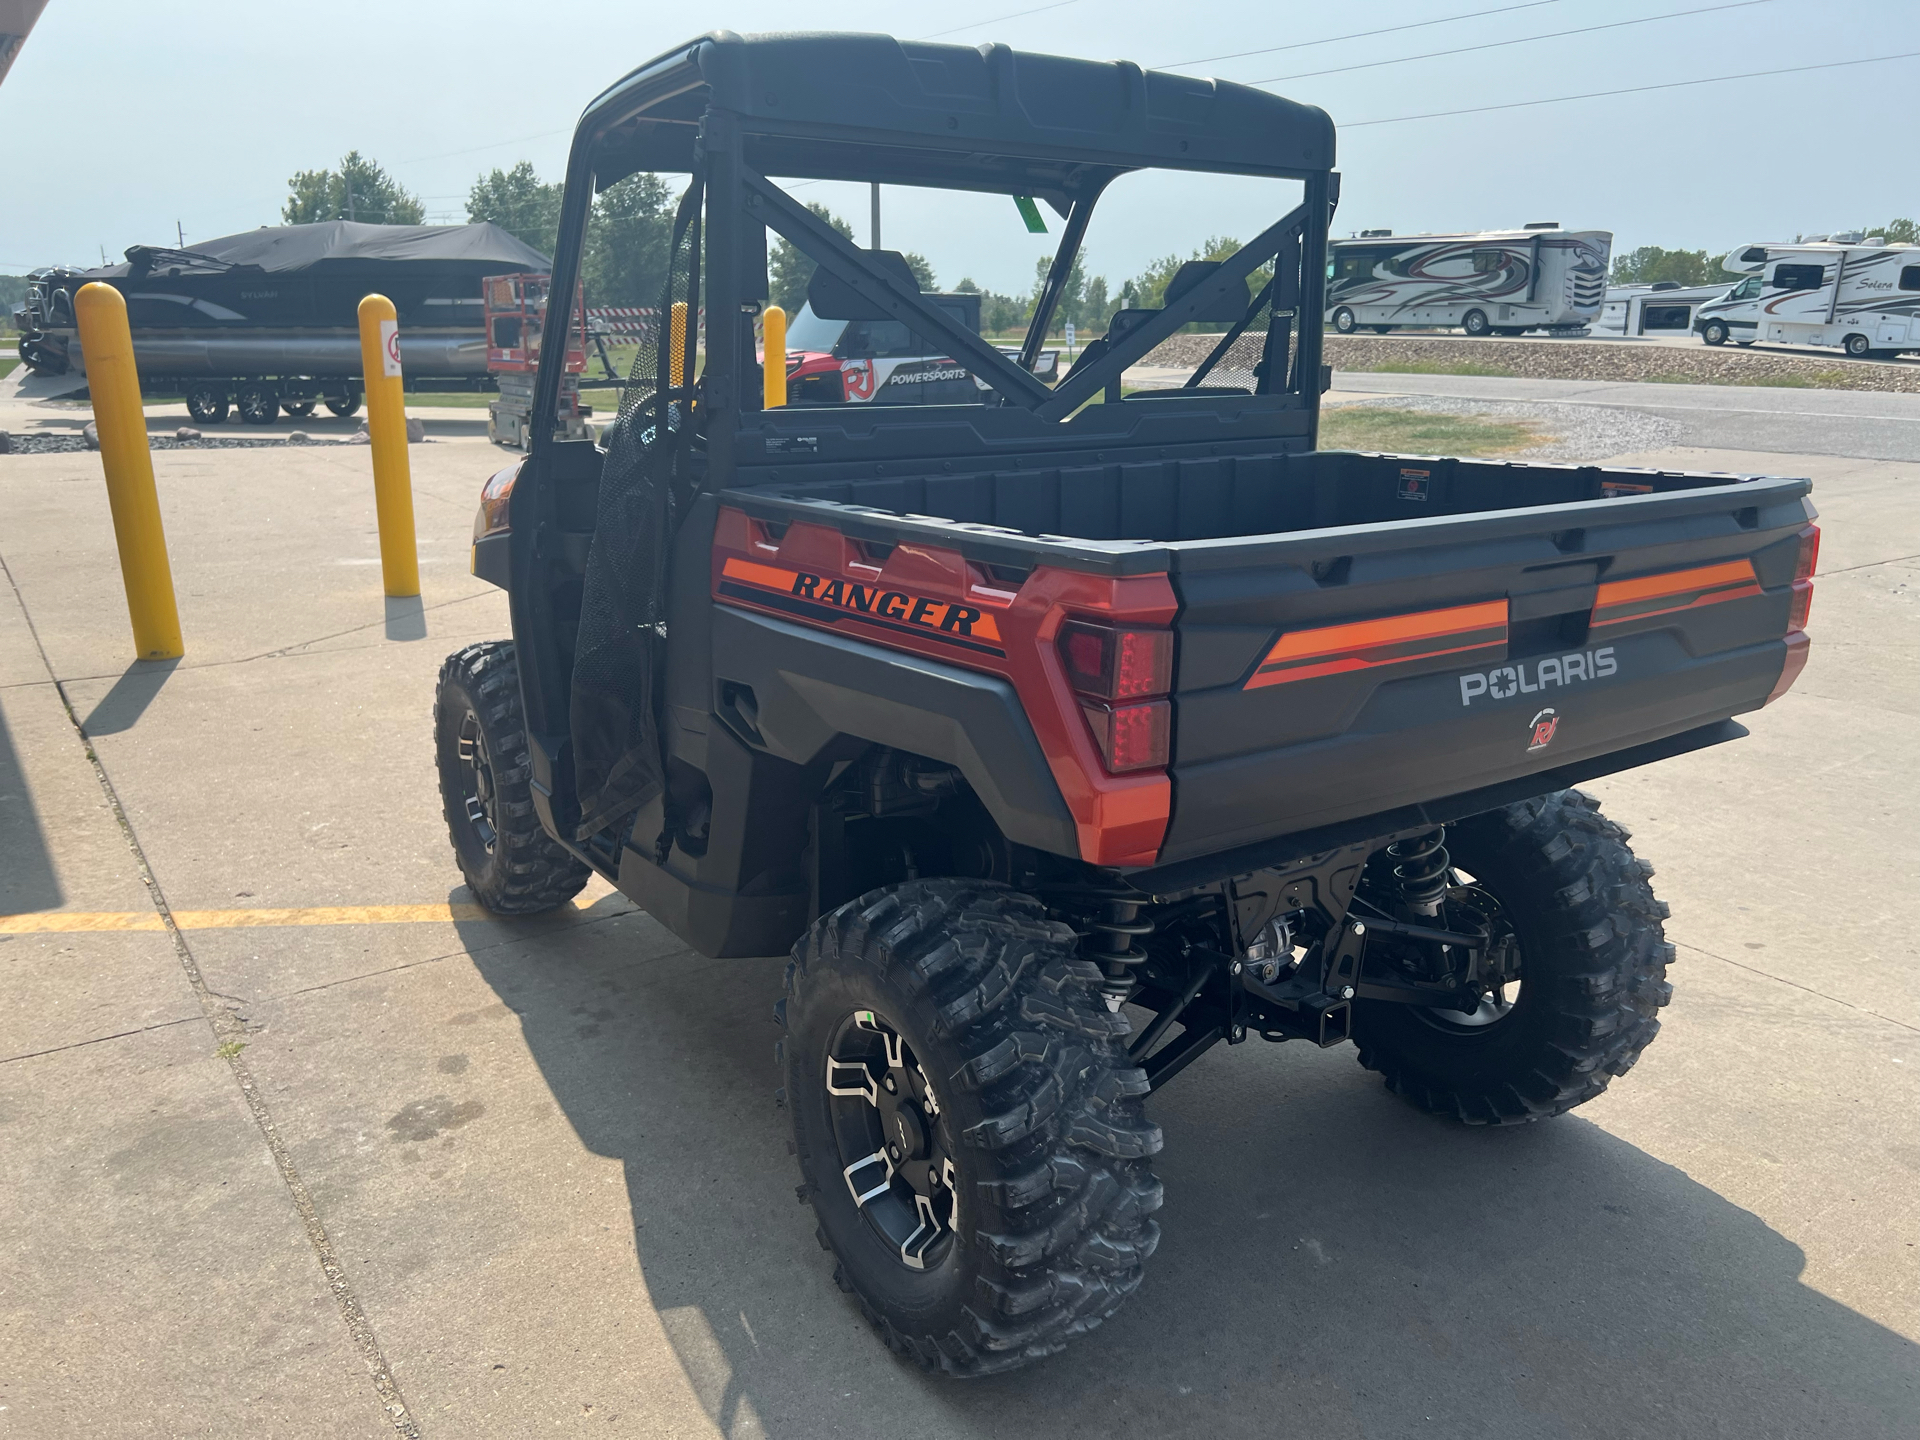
{"x": 337, "y": 1155}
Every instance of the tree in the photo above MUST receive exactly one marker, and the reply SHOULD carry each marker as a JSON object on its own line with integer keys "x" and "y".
{"x": 1895, "y": 232}
{"x": 628, "y": 237}
{"x": 1148, "y": 289}
{"x": 790, "y": 269}
{"x": 922, "y": 270}
{"x": 359, "y": 190}
{"x": 519, "y": 204}
{"x": 1650, "y": 264}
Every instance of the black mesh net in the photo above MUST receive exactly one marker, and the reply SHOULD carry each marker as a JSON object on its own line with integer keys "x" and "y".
{"x": 1253, "y": 355}
{"x": 649, "y": 477}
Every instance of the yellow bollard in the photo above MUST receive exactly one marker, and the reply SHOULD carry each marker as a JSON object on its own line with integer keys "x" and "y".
{"x": 387, "y": 428}
{"x": 773, "y": 363}
{"x": 677, "y": 346}
{"x": 121, "y": 425}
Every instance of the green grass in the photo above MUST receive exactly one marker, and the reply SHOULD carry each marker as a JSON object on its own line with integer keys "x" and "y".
{"x": 1415, "y": 432}
{"x": 1435, "y": 367}
{"x": 7, "y": 366}
{"x": 456, "y": 399}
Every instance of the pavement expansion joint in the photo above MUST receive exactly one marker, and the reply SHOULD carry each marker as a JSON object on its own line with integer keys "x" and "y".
{"x": 227, "y": 1026}
{"x": 1808, "y": 989}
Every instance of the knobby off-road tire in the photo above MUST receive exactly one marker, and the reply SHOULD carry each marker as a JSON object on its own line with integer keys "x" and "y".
{"x": 1593, "y": 964}
{"x": 512, "y": 865}
{"x": 1038, "y": 1111}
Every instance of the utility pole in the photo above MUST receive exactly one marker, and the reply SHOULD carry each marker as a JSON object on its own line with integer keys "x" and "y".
{"x": 182, "y": 234}
{"x": 876, "y": 216}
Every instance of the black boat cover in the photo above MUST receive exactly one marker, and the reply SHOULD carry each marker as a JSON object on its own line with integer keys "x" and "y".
{"x": 340, "y": 245}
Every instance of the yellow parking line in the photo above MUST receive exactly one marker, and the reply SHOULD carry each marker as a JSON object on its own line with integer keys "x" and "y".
{"x": 76, "y": 922}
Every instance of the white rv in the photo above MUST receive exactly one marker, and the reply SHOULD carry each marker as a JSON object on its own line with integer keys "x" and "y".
{"x": 1860, "y": 294}
{"x": 1495, "y": 282}
{"x": 1665, "y": 307}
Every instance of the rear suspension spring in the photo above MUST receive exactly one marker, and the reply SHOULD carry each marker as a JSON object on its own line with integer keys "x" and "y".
{"x": 1420, "y": 867}
{"x": 1112, "y": 931}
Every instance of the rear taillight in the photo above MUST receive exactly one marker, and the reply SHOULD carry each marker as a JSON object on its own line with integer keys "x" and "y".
{"x": 1131, "y": 737}
{"x": 1121, "y": 675}
{"x": 1803, "y": 578}
{"x": 1112, "y": 664}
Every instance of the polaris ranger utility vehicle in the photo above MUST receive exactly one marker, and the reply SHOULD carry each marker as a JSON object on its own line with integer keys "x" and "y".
{"x": 1064, "y": 735}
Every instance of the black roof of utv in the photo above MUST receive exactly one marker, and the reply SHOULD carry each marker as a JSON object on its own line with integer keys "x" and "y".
{"x": 867, "y": 107}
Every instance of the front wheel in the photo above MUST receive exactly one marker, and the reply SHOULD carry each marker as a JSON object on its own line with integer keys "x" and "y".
{"x": 1858, "y": 346}
{"x": 1344, "y": 322}
{"x": 968, "y": 1125}
{"x": 1474, "y": 322}
{"x": 1553, "y": 881}
{"x": 480, "y": 742}
{"x": 1715, "y": 332}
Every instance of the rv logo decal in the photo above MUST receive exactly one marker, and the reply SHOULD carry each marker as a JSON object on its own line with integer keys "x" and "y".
{"x": 1532, "y": 676}
{"x": 1543, "y": 726}
{"x": 857, "y": 375}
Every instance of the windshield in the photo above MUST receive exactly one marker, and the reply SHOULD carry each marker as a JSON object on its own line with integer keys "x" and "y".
{"x": 807, "y": 331}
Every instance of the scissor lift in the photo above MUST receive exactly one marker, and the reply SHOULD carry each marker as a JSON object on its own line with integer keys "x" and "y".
{"x": 516, "y": 315}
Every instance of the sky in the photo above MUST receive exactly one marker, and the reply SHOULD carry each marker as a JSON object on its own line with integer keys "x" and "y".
{"x": 124, "y": 119}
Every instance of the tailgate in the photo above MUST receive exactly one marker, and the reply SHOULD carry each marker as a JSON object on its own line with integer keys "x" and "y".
{"x": 1349, "y": 671}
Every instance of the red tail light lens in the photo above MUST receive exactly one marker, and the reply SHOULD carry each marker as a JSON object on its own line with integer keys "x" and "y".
{"x": 1803, "y": 578}
{"x": 1131, "y": 737}
{"x": 1116, "y": 664}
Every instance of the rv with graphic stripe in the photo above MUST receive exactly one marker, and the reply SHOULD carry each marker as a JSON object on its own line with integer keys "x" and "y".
{"x": 1862, "y": 295}
{"x": 1493, "y": 282}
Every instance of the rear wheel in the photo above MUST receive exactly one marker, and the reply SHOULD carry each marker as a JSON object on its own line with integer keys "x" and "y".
{"x": 1344, "y": 322}
{"x": 207, "y": 404}
{"x": 1557, "y": 877}
{"x": 1381, "y": 329}
{"x": 1858, "y": 346}
{"x": 1474, "y": 322}
{"x": 510, "y": 862}
{"x": 298, "y": 409}
{"x": 1715, "y": 332}
{"x": 258, "y": 404}
{"x": 344, "y": 403}
{"x": 968, "y": 1126}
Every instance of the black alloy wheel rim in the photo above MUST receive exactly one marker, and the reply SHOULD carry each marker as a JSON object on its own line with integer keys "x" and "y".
{"x": 887, "y": 1128}
{"x": 476, "y": 776}
{"x": 1471, "y": 907}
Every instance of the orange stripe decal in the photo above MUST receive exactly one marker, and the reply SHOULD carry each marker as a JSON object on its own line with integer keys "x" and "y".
{"x": 1674, "y": 590}
{"x": 1391, "y": 640}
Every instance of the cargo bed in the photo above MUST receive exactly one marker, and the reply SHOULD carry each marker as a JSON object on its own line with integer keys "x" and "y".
{"x": 1359, "y": 633}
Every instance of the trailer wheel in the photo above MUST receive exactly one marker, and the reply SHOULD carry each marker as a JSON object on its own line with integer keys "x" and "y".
{"x": 969, "y": 1129}
{"x": 207, "y": 404}
{"x": 343, "y": 404}
{"x": 1715, "y": 332}
{"x": 480, "y": 741}
{"x": 1474, "y": 322}
{"x": 258, "y": 404}
{"x": 1344, "y": 322}
{"x": 1858, "y": 345}
{"x": 1592, "y": 973}
{"x": 298, "y": 409}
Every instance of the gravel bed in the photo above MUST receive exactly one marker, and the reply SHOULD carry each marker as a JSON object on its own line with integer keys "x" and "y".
{"x": 1587, "y": 360}
{"x": 1584, "y": 433}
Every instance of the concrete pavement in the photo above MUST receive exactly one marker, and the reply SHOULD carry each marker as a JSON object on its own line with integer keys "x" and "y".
{"x": 274, "y": 1178}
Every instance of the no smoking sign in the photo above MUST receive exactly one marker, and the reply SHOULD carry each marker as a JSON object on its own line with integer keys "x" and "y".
{"x": 390, "y": 347}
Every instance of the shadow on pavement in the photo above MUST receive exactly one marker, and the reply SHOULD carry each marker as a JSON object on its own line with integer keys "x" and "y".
{"x": 406, "y": 617}
{"x": 1330, "y": 1258}
{"x": 28, "y": 881}
{"x": 122, "y": 706}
